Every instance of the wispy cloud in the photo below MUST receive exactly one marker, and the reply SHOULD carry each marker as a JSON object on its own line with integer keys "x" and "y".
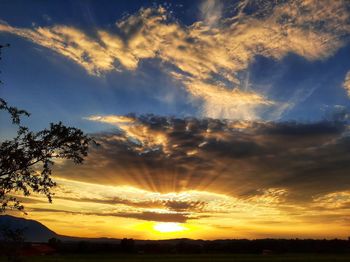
{"x": 334, "y": 201}
{"x": 207, "y": 60}
{"x": 153, "y": 206}
{"x": 211, "y": 12}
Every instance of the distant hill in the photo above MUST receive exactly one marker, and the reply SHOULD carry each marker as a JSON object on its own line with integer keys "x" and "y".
{"x": 33, "y": 230}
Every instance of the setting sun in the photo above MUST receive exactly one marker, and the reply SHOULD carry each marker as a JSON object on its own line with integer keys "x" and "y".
{"x": 169, "y": 227}
{"x": 175, "y": 120}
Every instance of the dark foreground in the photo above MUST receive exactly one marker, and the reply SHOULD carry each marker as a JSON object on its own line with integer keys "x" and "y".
{"x": 189, "y": 258}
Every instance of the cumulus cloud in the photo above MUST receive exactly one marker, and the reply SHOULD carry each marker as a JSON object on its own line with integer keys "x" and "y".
{"x": 208, "y": 56}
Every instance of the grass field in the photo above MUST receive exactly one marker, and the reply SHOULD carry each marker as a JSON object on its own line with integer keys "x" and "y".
{"x": 189, "y": 258}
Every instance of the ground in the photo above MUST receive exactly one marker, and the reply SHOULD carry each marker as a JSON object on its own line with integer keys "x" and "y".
{"x": 190, "y": 258}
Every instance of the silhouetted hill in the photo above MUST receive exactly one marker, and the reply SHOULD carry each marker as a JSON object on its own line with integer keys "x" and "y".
{"x": 33, "y": 230}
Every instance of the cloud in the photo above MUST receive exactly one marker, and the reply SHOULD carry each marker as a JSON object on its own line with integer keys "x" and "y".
{"x": 148, "y": 216}
{"x": 207, "y": 57}
{"x": 346, "y": 83}
{"x": 129, "y": 202}
{"x": 243, "y": 176}
{"x": 135, "y": 131}
{"x": 172, "y": 205}
{"x": 237, "y": 158}
{"x": 211, "y": 11}
{"x": 333, "y": 201}
{"x": 160, "y": 217}
{"x": 69, "y": 42}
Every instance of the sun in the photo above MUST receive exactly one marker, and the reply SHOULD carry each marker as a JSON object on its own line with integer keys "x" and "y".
{"x": 168, "y": 227}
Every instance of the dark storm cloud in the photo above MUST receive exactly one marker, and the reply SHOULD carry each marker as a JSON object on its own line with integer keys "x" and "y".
{"x": 237, "y": 158}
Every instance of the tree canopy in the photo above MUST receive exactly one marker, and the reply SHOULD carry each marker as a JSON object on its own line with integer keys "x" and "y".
{"x": 26, "y": 160}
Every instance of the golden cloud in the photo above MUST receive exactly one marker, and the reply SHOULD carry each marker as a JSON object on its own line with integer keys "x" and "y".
{"x": 208, "y": 55}
{"x": 125, "y": 206}
{"x": 136, "y": 131}
{"x": 127, "y": 201}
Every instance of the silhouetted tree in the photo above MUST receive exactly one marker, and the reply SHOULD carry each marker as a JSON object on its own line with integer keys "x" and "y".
{"x": 26, "y": 160}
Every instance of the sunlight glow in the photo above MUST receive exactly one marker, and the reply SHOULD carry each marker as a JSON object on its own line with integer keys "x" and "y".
{"x": 168, "y": 227}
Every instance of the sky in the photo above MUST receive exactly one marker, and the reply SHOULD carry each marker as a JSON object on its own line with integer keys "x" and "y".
{"x": 216, "y": 119}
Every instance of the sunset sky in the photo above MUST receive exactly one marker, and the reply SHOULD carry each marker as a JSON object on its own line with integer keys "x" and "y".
{"x": 216, "y": 119}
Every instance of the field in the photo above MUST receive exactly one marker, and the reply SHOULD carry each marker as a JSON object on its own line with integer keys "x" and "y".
{"x": 190, "y": 258}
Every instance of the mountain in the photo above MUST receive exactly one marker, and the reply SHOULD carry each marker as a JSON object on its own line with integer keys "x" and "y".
{"x": 33, "y": 230}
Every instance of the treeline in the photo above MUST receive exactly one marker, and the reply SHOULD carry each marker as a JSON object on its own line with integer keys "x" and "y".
{"x": 184, "y": 246}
